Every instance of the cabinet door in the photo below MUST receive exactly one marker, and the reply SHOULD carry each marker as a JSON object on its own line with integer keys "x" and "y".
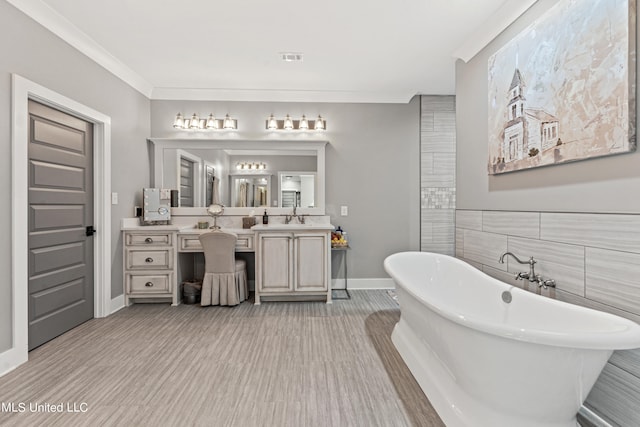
{"x": 276, "y": 251}
{"x": 311, "y": 261}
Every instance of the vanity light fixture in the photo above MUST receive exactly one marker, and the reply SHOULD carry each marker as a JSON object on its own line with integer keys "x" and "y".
{"x": 289, "y": 124}
{"x": 210, "y": 123}
{"x": 251, "y": 166}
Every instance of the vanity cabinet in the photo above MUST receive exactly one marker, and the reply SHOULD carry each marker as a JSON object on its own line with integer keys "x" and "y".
{"x": 292, "y": 265}
{"x": 149, "y": 259}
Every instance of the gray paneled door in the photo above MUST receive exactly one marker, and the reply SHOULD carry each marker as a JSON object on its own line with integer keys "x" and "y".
{"x": 60, "y": 212}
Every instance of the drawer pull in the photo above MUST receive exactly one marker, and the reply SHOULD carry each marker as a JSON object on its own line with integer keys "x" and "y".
{"x": 148, "y": 240}
{"x": 148, "y": 259}
{"x": 149, "y": 284}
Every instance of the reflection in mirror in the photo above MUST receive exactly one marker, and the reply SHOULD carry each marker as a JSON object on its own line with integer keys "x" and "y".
{"x": 217, "y": 168}
{"x": 296, "y": 189}
{"x": 250, "y": 190}
{"x": 211, "y": 184}
{"x": 197, "y": 173}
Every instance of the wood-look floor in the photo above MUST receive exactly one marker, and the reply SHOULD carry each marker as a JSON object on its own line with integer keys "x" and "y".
{"x": 277, "y": 364}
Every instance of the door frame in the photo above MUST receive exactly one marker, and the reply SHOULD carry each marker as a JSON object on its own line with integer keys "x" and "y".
{"x": 22, "y": 91}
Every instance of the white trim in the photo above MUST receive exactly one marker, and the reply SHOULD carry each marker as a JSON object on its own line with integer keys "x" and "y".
{"x": 22, "y": 91}
{"x": 489, "y": 30}
{"x": 117, "y": 303}
{"x": 49, "y": 18}
{"x": 275, "y": 95}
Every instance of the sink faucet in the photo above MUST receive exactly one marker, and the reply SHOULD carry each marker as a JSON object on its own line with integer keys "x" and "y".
{"x": 290, "y": 218}
{"x": 531, "y": 276}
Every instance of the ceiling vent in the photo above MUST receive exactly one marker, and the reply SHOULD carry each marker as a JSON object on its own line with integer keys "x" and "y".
{"x": 291, "y": 56}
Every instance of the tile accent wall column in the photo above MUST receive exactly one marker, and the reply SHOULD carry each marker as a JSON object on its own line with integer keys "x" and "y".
{"x": 437, "y": 174}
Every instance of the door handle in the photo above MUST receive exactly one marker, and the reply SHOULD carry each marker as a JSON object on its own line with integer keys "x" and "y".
{"x": 90, "y": 231}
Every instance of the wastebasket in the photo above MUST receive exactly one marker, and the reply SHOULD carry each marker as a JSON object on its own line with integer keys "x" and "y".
{"x": 191, "y": 290}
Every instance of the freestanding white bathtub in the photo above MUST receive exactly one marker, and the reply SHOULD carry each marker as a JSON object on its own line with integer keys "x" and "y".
{"x": 485, "y": 362}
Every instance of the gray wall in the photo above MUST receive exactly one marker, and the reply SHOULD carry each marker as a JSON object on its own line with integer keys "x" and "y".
{"x": 587, "y": 252}
{"x": 372, "y": 166}
{"x": 34, "y": 53}
{"x": 607, "y": 184}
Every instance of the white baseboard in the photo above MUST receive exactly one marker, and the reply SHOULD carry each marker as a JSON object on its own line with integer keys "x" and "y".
{"x": 11, "y": 359}
{"x": 117, "y": 303}
{"x": 373, "y": 283}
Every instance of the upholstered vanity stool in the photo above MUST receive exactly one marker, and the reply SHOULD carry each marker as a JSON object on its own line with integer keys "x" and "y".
{"x": 225, "y": 277}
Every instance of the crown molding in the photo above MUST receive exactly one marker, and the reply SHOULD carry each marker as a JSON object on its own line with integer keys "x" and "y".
{"x": 61, "y": 27}
{"x": 269, "y": 95}
{"x": 489, "y": 30}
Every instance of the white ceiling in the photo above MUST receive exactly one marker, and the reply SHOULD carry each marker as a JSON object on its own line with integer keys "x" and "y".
{"x": 354, "y": 50}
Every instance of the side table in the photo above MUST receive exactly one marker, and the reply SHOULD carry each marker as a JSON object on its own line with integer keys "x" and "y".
{"x": 344, "y": 250}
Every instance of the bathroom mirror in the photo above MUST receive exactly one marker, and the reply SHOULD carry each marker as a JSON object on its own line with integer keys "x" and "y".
{"x": 204, "y": 168}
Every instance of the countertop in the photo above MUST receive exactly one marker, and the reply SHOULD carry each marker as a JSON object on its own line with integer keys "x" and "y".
{"x": 292, "y": 227}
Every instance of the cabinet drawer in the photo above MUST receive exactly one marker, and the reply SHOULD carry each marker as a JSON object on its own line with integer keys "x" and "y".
{"x": 149, "y": 259}
{"x": 149, "y": 283}
{"x": 244, "y": 243}
{"x": 191, "y": 243}
{"x": 148, "y": 239}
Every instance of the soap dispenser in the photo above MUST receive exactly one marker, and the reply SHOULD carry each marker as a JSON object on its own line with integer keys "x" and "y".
{"x": 265, "y": 217}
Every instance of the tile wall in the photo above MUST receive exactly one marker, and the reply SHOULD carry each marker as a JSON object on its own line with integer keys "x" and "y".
{"x": 595, "y": 261}
{"x": 437, "y": 173}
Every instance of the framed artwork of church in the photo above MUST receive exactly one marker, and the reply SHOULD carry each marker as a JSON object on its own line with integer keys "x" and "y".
{"x": 564, "y": 89}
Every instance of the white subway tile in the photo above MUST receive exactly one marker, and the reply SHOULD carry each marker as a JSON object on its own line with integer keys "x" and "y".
{"x": 607, "y": 231}
{"x": 459, "y": 243}
{"x": 612, "y": 278}
{"x": 558, "y": 261}
{"x": 523, "y": 224}
{"x": 485, "y": 248}
{"x": 471, "y": 220}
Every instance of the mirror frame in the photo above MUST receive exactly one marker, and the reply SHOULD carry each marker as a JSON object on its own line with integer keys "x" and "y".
{"x": 317, "y": 148}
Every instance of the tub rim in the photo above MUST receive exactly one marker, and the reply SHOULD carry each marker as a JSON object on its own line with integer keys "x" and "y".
{"x": 625, "y": 338}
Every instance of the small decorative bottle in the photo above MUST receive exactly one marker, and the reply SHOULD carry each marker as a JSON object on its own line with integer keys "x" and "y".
{"x": 265, "y": 217}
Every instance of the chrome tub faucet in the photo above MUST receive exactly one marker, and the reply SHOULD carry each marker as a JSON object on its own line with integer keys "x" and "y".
{"x": 531, "y": 276}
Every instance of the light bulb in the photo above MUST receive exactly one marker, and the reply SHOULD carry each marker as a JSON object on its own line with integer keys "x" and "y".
{"x": 228, "y": 123}
{"x": 304, "y": 123}
{"x": 195, "y": 122}
{"x": 212, "y": 123}
{"x": 178, "y": 123}
{"x": 288, "y": 123}
{"x": 272, "y": 123}
{"x": 319, "y": 125}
